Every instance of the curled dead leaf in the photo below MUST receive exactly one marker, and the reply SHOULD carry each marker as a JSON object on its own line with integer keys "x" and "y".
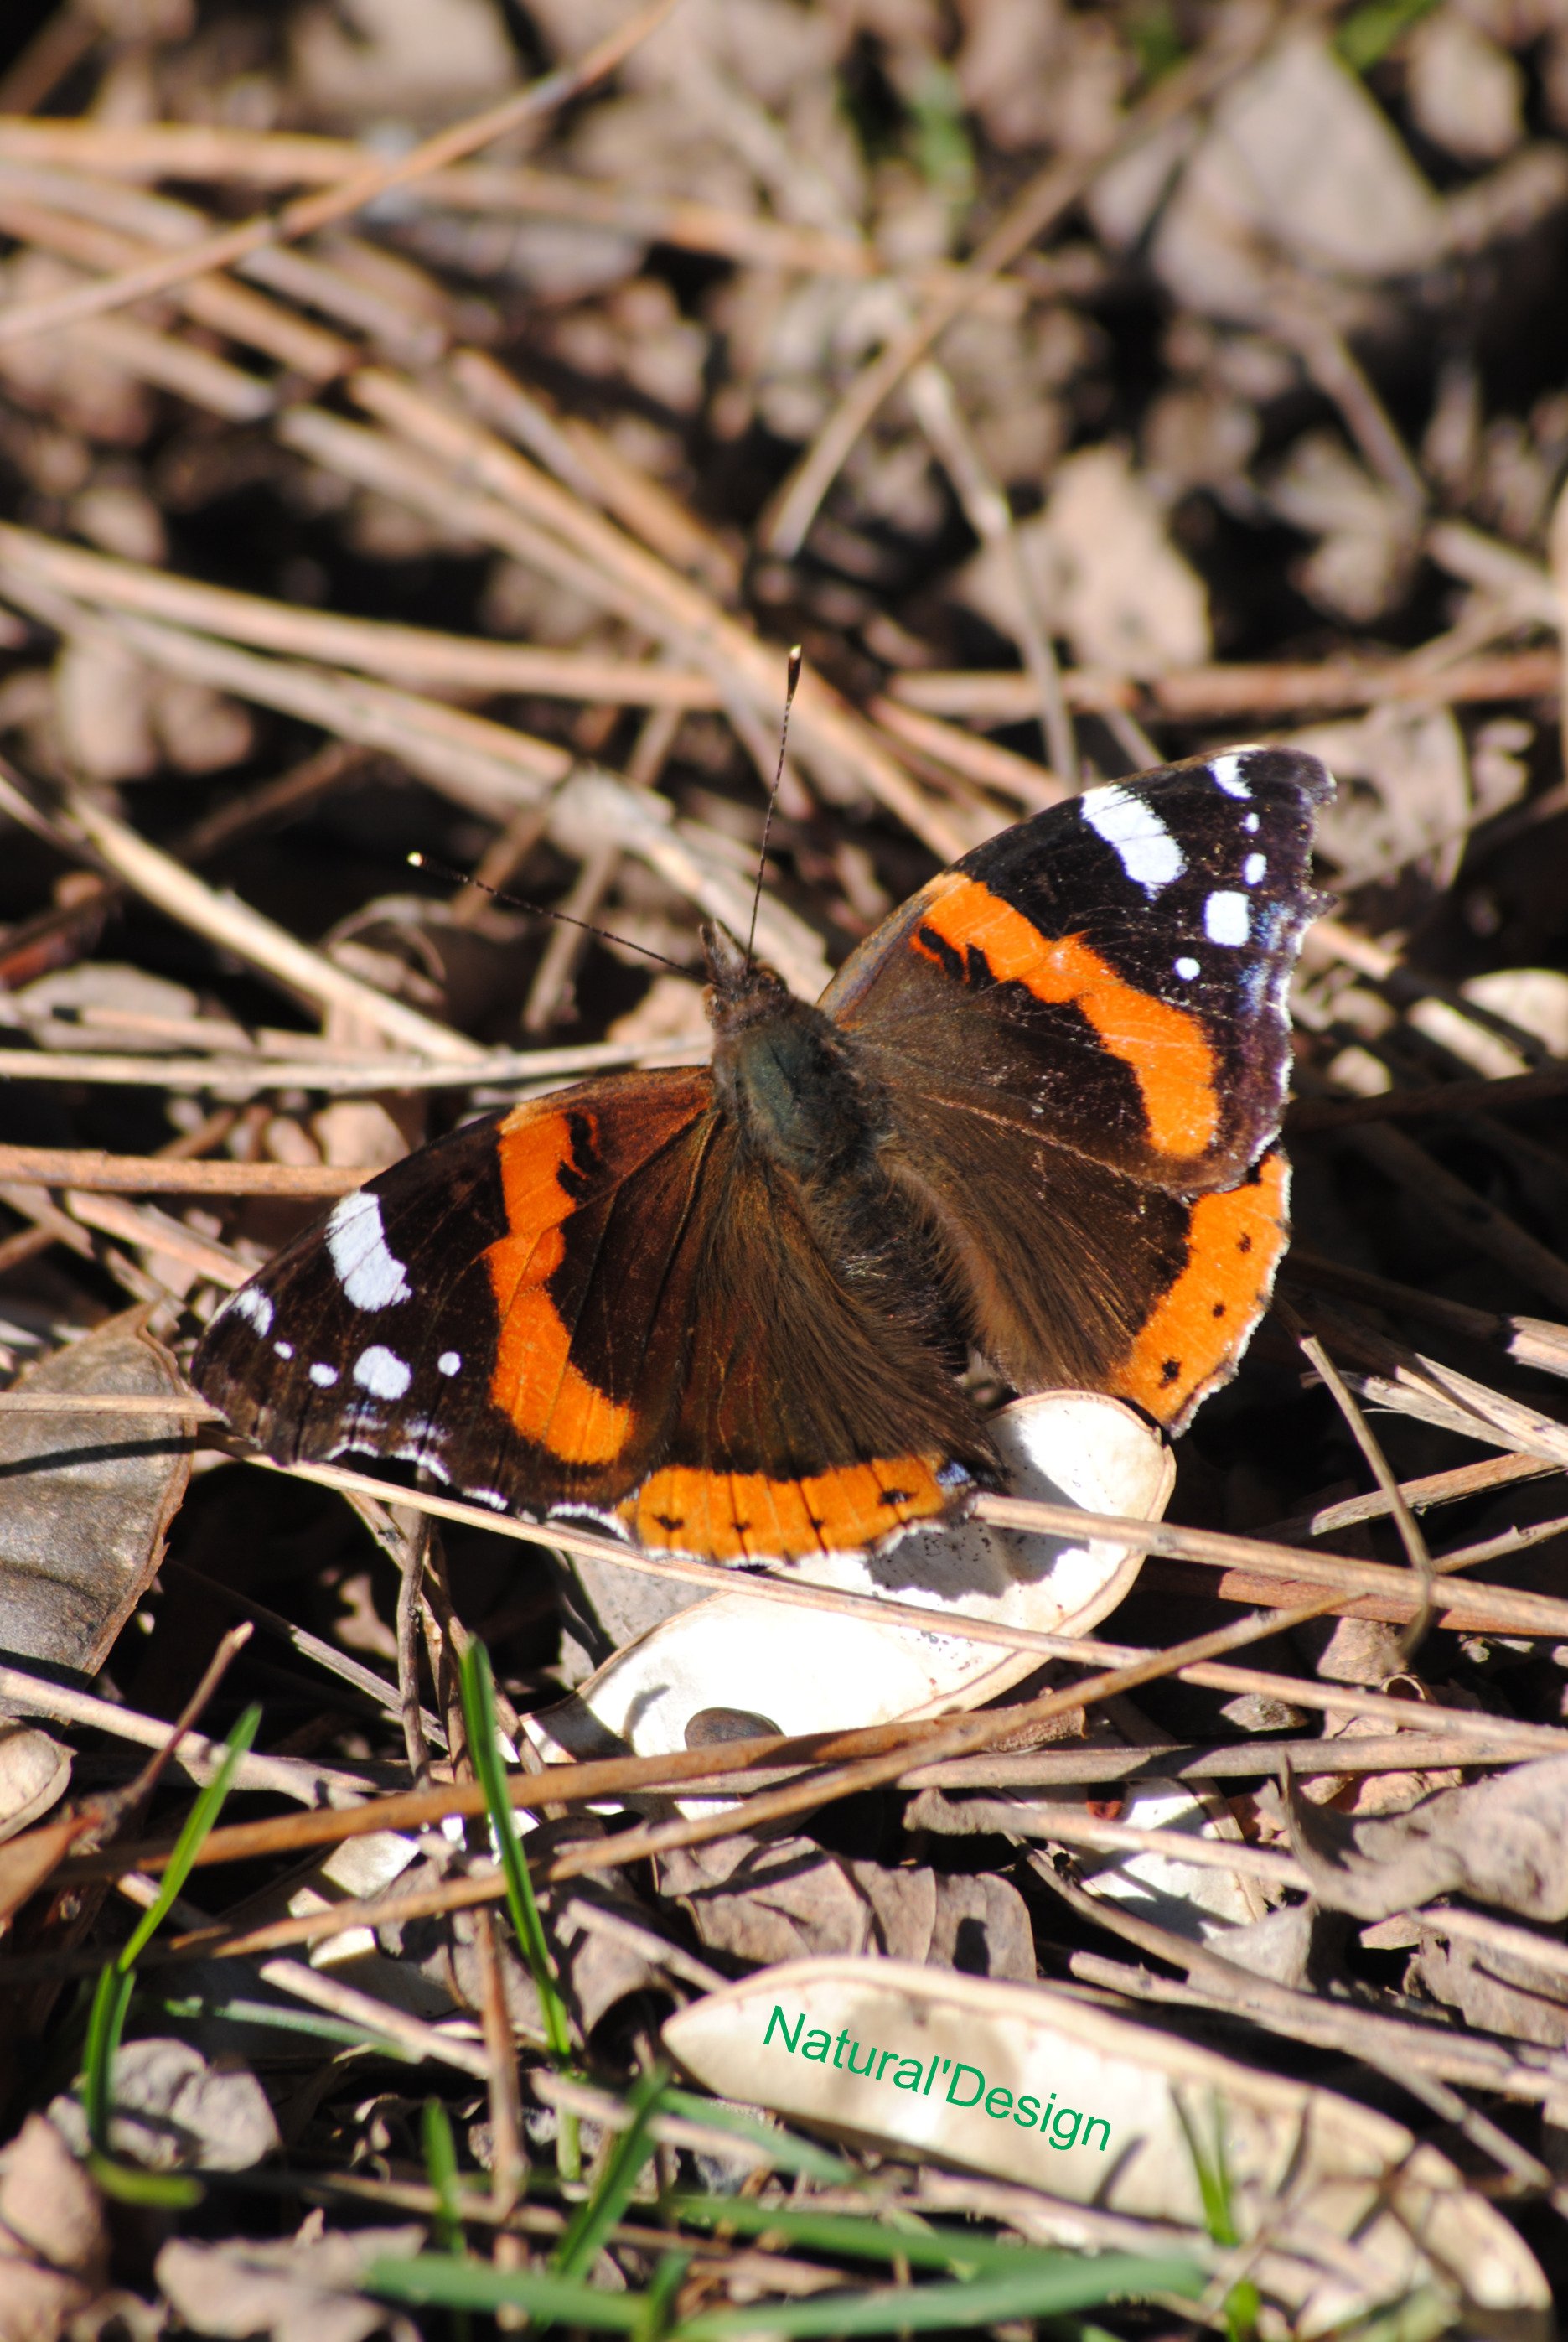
{"x": 1503, "y": 1841}
{"x": 1342, "y": 2209}
{"x": 87, "y": 1499}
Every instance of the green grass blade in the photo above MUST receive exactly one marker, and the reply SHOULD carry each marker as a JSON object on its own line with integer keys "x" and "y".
{"x": 659, "y": 2301}
{"x": 112, "y": 1999}
{"x": 440, "y": 2281}
{"x": 1368, "y": 34}
{"x": 437, "y": 2280}
{"x": 308, "y": 2023}
{"x": 868, "y": 2236}
{"x": 1213, "y": 2176}
{"x": 478, "y": 1689}
{"x": 593, "y": 2221}
{"x": 163, "y": 2191}
{"x": 104, "y": 2023}
{"x": 440, "y": 2170}
{"x": 479, "y": 1722}
{"x": 1075, "y": 2281}
{"x": 199, "y": 1821}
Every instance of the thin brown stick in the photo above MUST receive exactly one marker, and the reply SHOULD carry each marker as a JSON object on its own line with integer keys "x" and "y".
{"x": 234, "y": 310}
{"x": 759, "y": 1811}
{"x": 158, "y": 1233}
{"x": 1405, "y": 1520}
{"x": 306, "y": 214}
{"x": 90, "y": 1169}
{"x": 1461, "y": 1097}
{"x": 289, "y": 1776}
{"x": 65, "y": 36}
{"x": 232, "y": 925}
{"x": 1239, "y": 692}
{"x": 990, "y": 515}
{"x": 1432, "y": 1488}
{"x": 429, "y": 2042}
{"x": 190, "y": 150}
{"x": 121, "y": 1804}
{"x": 1414, "y": 1748}
{"x": 244, "y": 1077}
{"x": 950, "y": 747}
{"x": 1537, "y": 1342}
{"x": 1481, "y": 2060}
{"x": 1339, "y": 1574}
{"x": 564, "y": 1786}
{"x": 412, "y": 655}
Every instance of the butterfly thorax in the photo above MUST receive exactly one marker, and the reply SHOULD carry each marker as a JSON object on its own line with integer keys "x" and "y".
{"x": 784, "y": 1074}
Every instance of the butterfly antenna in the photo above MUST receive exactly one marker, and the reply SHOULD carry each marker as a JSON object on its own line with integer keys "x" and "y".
{"x": 540, "y": 910}
{"x": 792, "y": 683}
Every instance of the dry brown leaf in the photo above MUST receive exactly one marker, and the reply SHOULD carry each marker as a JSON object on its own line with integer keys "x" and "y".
{"x": 35, "y": 1772}
{"x": 53, "y": 2243}
{"x": 173, "y": 2111}
{"x": 297, "y": 2292}
{"x": 376, "y": 60}
{"x": 1464, "y": 93}
{"x": 1300, "y": 160}
{"x": 1502, "y": 1841}
{"x": 1106, "y": 571}
{"x": 773, "y": 1900}
{"x": 1367, "y": 546}
{"x": 26, "y": 1862}
{"x": 50, "y": 2207}
{"x": 1403, "y": 790}
{"x": 86, "y": 1500}
{"x": 1036, "y": 2086}
{"x": 1496, "y": 1991}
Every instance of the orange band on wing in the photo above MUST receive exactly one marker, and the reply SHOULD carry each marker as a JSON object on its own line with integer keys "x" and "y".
{"x": 534, "y": 1383}
{"x": 743, "y": 1516}
{"x": 1166, "y": 1047}
{"x": 1199, "y": 1328}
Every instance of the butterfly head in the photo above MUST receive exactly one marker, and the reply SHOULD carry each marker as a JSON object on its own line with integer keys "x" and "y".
{"x": 741, "y": 990}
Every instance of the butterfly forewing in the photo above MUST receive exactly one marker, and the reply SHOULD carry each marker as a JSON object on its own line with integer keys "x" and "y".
{"x": 591, "y": 1308}
{"x": 1084, "y": 1028}
{"x": 1116, "y": 967}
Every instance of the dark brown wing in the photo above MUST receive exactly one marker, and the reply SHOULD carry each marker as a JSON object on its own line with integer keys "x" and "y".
{"x": 1083, "y": 1029}
{"x": 592, "y": 1306}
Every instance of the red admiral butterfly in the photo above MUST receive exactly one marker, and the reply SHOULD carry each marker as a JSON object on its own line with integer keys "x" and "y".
{"x": 721, "y": 1309}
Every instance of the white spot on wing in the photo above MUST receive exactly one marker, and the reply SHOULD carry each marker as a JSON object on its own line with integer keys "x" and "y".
{"x": 1250, "y": 823}
{"x": 1148, "y": 853}
{"x": 1186, "y": 968}
{"x": 368, "y": 1273}
{"x": 251, "y": 1303}
{"x": 450, "y": 1362}
{"x": 380, "y": 1371}
{"x": 491, "y": 1496}
{"x": 323, "y": 1376}
{"x": 1225, "y": 918}
{"x": 1253, "y": 868}
{"x": 283, "y": 1349}
{"x": 1226, "y": 773}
